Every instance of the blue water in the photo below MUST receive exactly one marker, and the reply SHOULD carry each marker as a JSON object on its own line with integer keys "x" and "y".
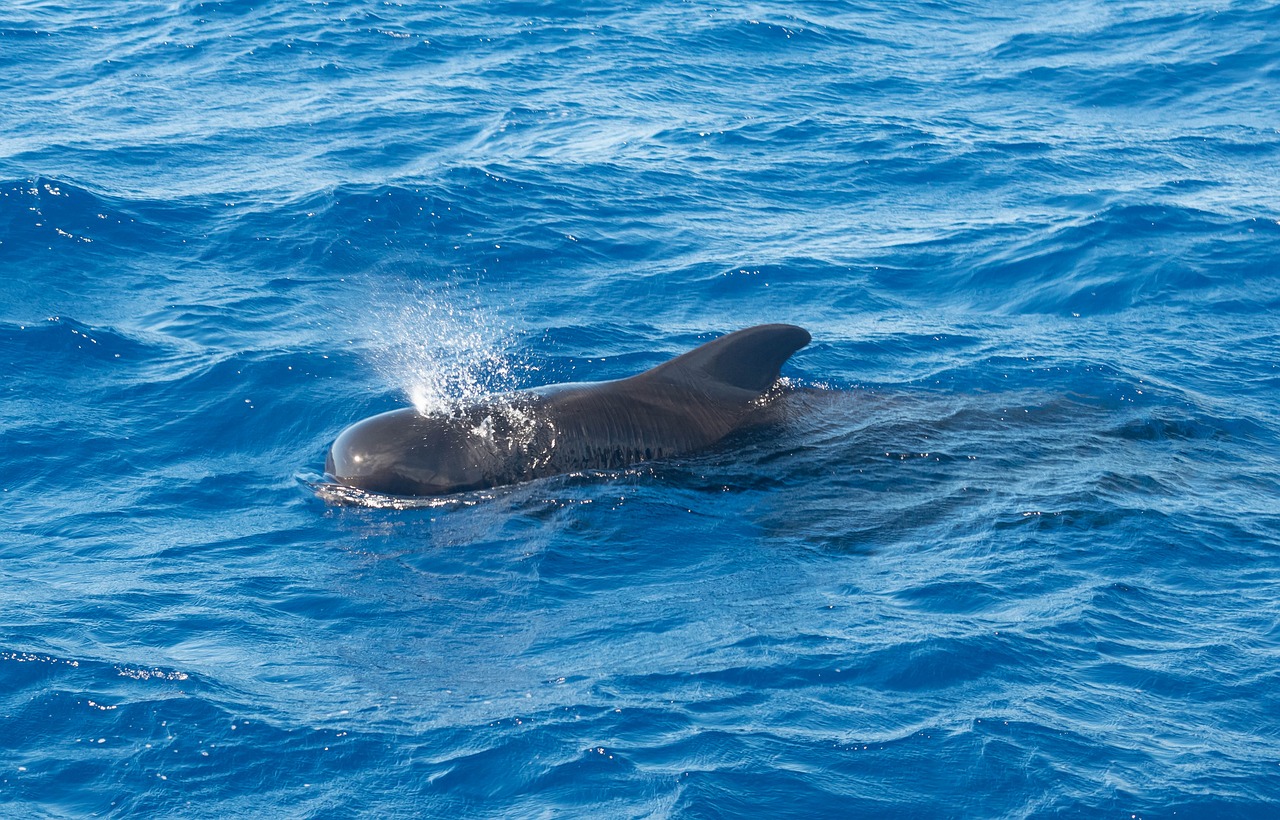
{"x": 1013, "y": 554}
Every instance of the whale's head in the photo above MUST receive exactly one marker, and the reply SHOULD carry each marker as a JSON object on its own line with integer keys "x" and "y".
{"x": 404, "y": 452}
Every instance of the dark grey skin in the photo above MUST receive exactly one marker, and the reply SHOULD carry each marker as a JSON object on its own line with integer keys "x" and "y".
{"x": 681, "y": 406}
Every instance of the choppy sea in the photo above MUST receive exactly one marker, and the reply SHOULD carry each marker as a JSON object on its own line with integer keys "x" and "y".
{"x": 1014, "y": 553}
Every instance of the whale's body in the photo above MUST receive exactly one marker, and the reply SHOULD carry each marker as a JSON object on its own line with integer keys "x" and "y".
{"x": 683, "y": 405}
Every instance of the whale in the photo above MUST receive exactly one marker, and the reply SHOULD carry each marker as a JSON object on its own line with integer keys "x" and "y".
{"x": 682, "y": 406}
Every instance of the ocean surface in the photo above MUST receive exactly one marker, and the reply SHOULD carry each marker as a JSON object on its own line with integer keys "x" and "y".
{"x": 1012, "y": 553}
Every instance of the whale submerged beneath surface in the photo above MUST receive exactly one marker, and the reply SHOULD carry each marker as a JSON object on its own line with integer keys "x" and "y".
{"x": 683, "y": 405}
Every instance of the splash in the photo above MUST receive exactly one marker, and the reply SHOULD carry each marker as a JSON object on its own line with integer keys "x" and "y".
{"x": 342, "y": 496}
{"x": 443, "y": 349}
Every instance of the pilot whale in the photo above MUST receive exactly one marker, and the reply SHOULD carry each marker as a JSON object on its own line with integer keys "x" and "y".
{"x": 686, "y": 404}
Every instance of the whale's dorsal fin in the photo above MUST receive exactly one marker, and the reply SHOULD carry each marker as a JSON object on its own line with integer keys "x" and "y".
{"x": 746, "y": 359}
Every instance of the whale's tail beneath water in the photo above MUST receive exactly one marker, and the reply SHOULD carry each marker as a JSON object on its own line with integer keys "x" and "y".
{"x": 747, "y": 359}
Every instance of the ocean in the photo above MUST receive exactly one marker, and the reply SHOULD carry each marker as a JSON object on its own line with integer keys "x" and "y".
{"x": 1011, "y": 553}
